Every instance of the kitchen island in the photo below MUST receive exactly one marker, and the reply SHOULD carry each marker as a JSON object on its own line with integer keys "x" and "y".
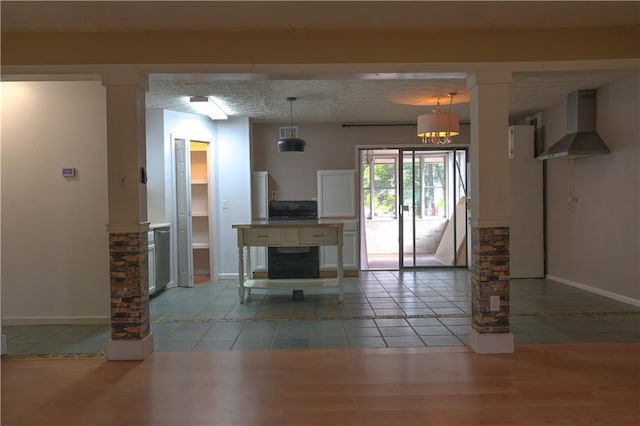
{"x": 287, "y": 234}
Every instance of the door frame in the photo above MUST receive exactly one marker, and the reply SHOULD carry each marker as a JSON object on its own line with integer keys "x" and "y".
{"x": 180, "y": 147}
{"x": 359, "y": 149}
{"x": 455, "y": 176}
{"x": 212, "y": 221}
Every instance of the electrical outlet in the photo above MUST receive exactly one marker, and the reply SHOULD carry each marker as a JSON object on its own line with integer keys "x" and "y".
{"x": 494, "y": 303}
{"x": 274, "y": 195}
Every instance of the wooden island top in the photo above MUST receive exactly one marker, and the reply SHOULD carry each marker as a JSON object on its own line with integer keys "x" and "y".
{"x": 289, "y": 224}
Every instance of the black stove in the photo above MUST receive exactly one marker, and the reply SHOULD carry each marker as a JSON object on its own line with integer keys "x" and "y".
{"x": 293, "y": 262}
{"x": 306, "y": 210}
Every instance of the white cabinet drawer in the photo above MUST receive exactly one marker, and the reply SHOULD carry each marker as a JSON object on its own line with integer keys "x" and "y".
{"x": 290, "y": 237}
{"x": 262, "y": 236}
{"x": 318, "y": 235}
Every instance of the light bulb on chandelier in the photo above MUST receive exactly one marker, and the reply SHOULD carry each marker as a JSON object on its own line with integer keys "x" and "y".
{"x": 439, "y": 127}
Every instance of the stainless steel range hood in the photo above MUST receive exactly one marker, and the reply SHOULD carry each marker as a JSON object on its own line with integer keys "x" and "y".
{"x": 581, "y": 139}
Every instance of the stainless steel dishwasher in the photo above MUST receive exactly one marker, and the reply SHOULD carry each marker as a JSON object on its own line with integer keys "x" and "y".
{"x": 163, "y": 258}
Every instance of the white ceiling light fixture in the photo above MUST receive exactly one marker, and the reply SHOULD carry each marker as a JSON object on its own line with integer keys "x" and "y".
{"x": 205, "y": 105}
{"x": 439, "y": 127}
{"x": 291, "y": 143}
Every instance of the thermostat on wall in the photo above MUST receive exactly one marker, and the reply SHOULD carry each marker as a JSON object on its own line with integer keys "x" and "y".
{"x": 68, "y": 171}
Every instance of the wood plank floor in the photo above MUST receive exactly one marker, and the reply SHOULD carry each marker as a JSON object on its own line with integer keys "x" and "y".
{"x": 584, "y": 384}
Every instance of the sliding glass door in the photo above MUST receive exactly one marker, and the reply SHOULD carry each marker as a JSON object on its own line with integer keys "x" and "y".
{"x": 432, "y": 228}
{"x": 414, "y": 208}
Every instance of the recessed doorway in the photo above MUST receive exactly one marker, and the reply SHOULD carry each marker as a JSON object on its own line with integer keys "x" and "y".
{"x": 194, "y": 207}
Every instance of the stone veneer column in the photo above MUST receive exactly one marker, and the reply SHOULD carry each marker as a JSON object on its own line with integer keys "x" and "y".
{"x": 129, "y": 285}
{"x": 131, "y": 338}
{"x": 490, "y": 212}
{"x": 490, "y": 277}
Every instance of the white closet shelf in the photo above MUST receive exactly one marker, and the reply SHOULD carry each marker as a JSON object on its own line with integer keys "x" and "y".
{"x": 199, "y": 182}
{"x": 200, "y": 214}
{"x": 199, "y": 246}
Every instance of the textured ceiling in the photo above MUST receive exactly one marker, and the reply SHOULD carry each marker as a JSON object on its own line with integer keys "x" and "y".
{"x": 373, "y": 98}
{"x": 349, "y": 100}
{"x": 318, "y": 100}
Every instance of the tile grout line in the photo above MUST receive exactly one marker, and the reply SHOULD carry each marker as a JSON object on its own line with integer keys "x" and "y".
{"x": 374, "y": 317}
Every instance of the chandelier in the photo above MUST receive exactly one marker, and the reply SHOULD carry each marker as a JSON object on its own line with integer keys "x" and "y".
{"x": 439, "y": 127}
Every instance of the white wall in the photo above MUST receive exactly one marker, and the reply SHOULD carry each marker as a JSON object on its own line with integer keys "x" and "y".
{"x": 233, "y": 183}
{"x": 596, "y": 244}
{"x": 3, "y": 338}
{"x": 231, "y": 177}
{"x": 156, "y": 170}
{"x": 329, "y": 146}
{"x": 162, "y": 127}
{"x": 55, "y": 259}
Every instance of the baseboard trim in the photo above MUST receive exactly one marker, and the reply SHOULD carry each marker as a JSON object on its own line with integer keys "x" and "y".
{"x": 130, "y": 350}
{"x": 491, "y": 343}
{"x": 56, "y": 320}
{"x": 228, "y": 276}
{"x": 599, "y": 291}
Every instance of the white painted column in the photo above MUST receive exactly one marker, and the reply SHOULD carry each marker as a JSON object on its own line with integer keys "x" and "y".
{"x": 131, "y": 338}
{"x": 490, "y": 207}
{"x": 126, "y": 147}
{"x": 3, "y": 337}
{"x": 489, "y": 148}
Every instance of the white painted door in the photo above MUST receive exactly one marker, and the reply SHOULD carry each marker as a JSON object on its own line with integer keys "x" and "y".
{"x": 183, "y": 205}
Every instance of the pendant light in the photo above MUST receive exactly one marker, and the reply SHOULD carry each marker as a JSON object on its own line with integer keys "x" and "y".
{"x": 439, "y": 127}
{"x": 291, "y": 143}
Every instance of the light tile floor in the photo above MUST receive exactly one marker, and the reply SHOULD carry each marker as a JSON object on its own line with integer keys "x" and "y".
{"x": 380, "y": 309}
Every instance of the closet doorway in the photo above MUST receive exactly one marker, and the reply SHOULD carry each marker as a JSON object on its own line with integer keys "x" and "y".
{"x": 194, "y": 211}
